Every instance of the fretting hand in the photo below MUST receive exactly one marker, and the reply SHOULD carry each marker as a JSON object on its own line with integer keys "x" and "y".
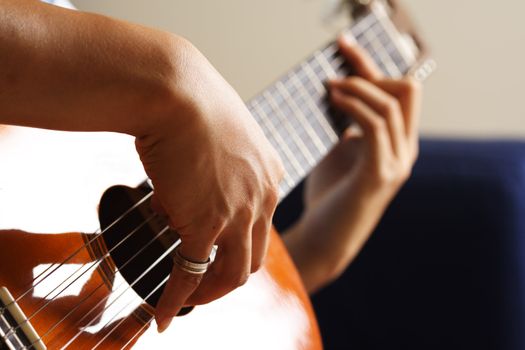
{"x": 348, "y": 192}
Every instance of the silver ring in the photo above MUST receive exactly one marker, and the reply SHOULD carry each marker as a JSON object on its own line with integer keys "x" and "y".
{"x": 193, "y": 267}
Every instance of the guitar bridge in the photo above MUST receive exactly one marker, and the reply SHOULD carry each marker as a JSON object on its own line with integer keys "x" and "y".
{"x": 16, "y": 332}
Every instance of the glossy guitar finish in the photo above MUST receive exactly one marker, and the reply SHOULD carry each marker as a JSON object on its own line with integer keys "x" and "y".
{"x": 51, "y": 183}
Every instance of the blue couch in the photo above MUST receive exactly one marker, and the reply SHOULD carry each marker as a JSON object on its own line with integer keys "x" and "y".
{"x": 445, "y": 268}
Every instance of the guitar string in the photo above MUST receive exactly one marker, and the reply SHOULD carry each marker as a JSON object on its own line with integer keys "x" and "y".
{"x": 275, "y": 104}
{"x": 118, "y": 324}
{"x": 359, "y": 27}
{"x": 338, "y": 62}
{"x": 93, "y": 264}
{"x": 115, "y": 315}
{"x": 128, "y": 288}
{"x": 118, "y": 219}
{"x": 337, "y": 68}
{"x": 114, "y": 328}
{"x": 72, "y": 255}
{"x": 138, "y": 333}
{"x": 99, "y": 303}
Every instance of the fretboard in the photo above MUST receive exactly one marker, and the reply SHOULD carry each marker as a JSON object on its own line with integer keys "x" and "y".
{"x": 294, "y": 113}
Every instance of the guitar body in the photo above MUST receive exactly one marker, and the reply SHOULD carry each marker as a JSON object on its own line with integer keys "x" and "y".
{"x": 70, "y": 283}
{"x": 83, "y": 259}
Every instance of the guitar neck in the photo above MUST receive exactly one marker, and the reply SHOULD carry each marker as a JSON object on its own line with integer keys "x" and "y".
{"x": 294, "y": 112}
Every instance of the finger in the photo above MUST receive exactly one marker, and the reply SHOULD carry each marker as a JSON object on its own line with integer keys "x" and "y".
{"x": 373, "y": 126}
{"x": 181, "y": 284}
{"x": 358, "y": 58}
{"x": 157, "y": 207}
{"x": 409, "y": 93}
{"x": 230, "y": 269}
{"x": 260, "y": 241}
{"x": 179, "y": 287}
{"x": 383, "y": 104}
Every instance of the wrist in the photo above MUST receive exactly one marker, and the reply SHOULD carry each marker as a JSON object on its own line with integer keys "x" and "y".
{"x": 167, "y": 99}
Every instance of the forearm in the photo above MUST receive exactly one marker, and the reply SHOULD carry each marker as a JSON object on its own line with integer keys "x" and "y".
{"x": 327, "y": 239}
{"x": 68, "y": 70}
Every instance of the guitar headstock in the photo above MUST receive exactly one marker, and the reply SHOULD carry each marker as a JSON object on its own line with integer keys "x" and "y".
{"x": 405, "y": 34}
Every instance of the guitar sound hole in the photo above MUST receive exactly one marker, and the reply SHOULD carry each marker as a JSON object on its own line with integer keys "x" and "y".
{"x": 132, "y": 243}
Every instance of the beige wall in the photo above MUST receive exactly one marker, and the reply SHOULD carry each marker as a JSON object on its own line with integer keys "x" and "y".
{"x": 479, "y": 46}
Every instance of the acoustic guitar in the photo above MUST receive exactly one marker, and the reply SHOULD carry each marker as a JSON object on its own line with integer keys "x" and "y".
{"x": 83, "y": 261}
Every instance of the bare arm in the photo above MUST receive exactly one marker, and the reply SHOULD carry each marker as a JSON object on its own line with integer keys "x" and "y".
{"x": 348, "y": 192}
{"x": 69, "y": 70}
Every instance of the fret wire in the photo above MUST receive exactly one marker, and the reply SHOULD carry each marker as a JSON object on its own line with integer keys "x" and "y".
{"x": 363, "y": 25}
{"x": 394, "y": 52}
{"x": 263, "y": 125}
{"x": 288, "y": 110}
{"x": 284, "y": 147}
{"x": 317, "y": 114}
{"x": 303, "y": 132}
{"x": 379, "y": 32}
{"x": 384, "y": 29}
{"x": 288, "y": 132}
{"x": 301, "y": 92}
{"x": 330, "y": 50}
{"x": 320, "y": 88}
{"x": 329, "y": 71}
{"x": 284, "y": 189}
{"x": 390, "y": 29}
{"x": 360, "y": 27}
{"x": 258, "y": 119}
{"x": 391, "y": 69}
{"x": 396, "y": 56}
{"x": 311, "y": 132}
{"x": 288, "y": 180}
{"x": 298, "y": 141}
{"x": 325, "y": 65}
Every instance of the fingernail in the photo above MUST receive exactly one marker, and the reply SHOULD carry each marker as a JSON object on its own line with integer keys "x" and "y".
{"x": 163, "y": 324}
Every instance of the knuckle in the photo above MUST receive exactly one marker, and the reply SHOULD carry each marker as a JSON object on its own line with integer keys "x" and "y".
{"x": 389, "y": 107}
{"x": 238, "y": 279}
{"x": 218, "y": 226}
{"x": 393, "y": 177}
{"x": 353, "y": 81}
{"x": 411, "y": 86}
{"x": 246, "y": 213}
{"x": 272, "y": 197}
{"x": 377, "y": 125}
{"x": 385, "y": 175}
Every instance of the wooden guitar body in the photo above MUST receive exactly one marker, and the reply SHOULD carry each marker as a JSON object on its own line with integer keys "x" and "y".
{"x": 65, "y": 280}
